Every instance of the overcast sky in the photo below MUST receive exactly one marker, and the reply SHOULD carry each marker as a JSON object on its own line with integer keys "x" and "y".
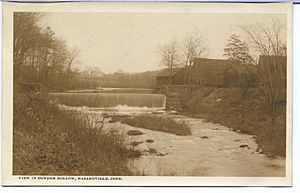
{"x": 129, "y": 41}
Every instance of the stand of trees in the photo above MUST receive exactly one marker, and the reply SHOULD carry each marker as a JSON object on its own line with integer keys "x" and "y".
{"x": 192, "y": 46}
{"x": 169, "y": 57}
{"x": 38, "y": 55}
{"x": 270, "y": 40}
{"x": 182, "y": 53}
{"x": 267, "y": 39}
{"x": 238, "y": 50}
{"x": 125, "y": 80}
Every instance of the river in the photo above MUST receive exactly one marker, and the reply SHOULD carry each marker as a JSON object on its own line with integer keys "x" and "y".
{"x": 211, "y": 150}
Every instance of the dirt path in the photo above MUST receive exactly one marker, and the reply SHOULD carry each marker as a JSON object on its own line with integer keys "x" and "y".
{"x": 211, "y": 150}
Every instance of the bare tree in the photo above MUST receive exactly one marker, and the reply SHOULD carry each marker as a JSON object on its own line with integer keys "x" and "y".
{"x": 71, "y": 58}
{"x": 273, "y": 85}
{"x": 59, "y": 56}
{"x": 35, "y": 60}
{"x": 192, "y": 46}
{"x": 38, "y": 55}
{"x": 169, "y": 57}
{"x": 26, "y": 35}
{"x": 270, "y": 41}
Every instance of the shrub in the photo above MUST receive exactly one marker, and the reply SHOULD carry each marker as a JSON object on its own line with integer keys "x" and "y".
{"x": 47, "y": 141}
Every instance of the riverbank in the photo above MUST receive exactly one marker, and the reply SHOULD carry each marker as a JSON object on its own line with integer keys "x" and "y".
{"x": 211, "y": 150}
{"x": 55, "y": 141}
{"x": 47, "y": 141}
{"x": 224, "y": 106}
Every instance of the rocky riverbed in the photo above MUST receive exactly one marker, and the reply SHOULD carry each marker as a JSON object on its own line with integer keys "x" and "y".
{"x": 211, "y": 150}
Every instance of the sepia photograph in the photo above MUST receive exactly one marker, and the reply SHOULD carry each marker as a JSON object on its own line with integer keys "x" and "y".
{"x": 156, "y": 90}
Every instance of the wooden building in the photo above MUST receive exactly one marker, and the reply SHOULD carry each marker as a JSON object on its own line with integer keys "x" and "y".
{"x": 210, "y": 72}
{"x": 271, "y": 67}
{"x": 221, "y": 73}
{"x": 163, "y": 77}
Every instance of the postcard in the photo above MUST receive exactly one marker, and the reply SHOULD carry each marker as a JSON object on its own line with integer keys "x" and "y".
{"x": 147, "y": 94}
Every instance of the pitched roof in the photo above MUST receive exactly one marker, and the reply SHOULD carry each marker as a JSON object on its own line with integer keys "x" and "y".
{"x": 219, "y": 65}
{"x": 215, "y": 61}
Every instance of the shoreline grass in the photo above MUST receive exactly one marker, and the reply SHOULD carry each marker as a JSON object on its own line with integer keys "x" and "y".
{"x": 47, "y": 141}
{"x": 248, "y": 118}
{"x": 157, "y": 123}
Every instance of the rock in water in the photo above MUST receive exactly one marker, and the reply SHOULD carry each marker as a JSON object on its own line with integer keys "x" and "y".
{"x": 244, "y": 146}
{"x": 136, "y": 143}
{"x": 149, "y": 141}
{"x": 134, "y": 132}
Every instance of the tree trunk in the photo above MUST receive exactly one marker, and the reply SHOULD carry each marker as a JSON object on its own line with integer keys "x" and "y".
{"x": 170, "y": 76}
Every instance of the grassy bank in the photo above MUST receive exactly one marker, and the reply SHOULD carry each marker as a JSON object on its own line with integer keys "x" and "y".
{"x": 157, "y": 123}
{"x": 47, "y": 141}
{"x": 224, "y": 106}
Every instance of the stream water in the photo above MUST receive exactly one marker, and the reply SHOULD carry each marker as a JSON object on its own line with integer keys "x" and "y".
{"x": 211, "y": 150}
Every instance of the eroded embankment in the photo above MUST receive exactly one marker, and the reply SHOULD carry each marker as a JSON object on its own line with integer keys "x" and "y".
{"x": 249, "y": 115}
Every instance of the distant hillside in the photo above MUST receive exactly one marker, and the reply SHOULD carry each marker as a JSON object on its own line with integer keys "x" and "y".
{"x": 123, "y": 80}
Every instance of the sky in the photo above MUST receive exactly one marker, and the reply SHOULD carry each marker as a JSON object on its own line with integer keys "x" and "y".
{"x": 130, "y": 41}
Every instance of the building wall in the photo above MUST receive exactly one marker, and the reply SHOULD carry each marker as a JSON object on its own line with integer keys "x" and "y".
{"x": 220, "y": 73}
{"x": 206, "y": 75}
{"x": 272, "y": 67}
{"x": 209, "y": 72}
{"x": 231, "y": 78}
{"x": 178, "y": 78}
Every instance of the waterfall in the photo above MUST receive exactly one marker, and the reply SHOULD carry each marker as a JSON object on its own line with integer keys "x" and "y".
{"x": 110, "y": 100}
